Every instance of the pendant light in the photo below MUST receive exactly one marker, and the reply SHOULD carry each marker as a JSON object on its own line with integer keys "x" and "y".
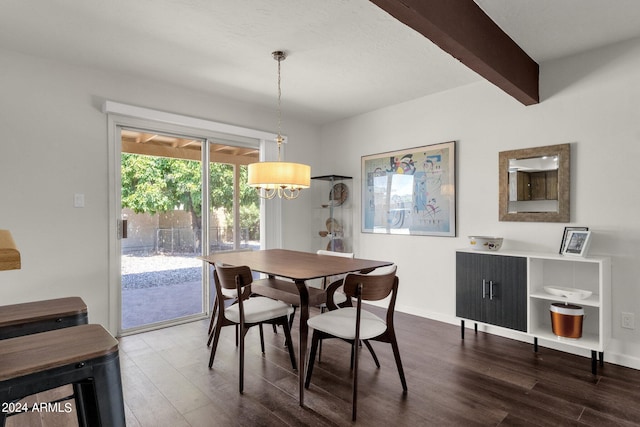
{"x": 282, "y": 179}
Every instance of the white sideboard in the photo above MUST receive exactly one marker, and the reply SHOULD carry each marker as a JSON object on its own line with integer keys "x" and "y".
{"x": 592, "y": 274}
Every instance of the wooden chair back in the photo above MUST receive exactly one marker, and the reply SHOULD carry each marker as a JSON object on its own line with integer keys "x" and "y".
{"x": 373, "y": 287}
{"x": 370, "y": 287}
{"x": 232, "y": 277}
{"x": 228, "y": 275}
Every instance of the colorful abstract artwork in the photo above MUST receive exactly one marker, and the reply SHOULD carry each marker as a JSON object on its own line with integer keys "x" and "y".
{"x": 410, "y": 191}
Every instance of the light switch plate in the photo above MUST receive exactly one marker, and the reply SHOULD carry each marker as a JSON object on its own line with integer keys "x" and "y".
{"x": 78, "y": 200}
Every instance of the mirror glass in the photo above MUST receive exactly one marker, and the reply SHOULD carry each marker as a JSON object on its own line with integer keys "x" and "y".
{"x": 534, "y": 184}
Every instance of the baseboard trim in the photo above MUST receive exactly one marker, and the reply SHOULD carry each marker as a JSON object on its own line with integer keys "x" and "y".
{"x": 610, "y": 356}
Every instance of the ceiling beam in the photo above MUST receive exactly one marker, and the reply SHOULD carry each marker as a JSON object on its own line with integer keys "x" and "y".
{"x": 463, "y": 30}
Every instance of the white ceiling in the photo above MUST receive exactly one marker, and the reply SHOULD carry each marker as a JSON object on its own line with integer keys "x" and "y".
{"x": 346, "y": 57}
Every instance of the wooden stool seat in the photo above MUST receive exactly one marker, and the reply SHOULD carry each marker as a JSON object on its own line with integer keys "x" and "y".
{"x": 40, "y": 316}
{"x": 84, "y": 355}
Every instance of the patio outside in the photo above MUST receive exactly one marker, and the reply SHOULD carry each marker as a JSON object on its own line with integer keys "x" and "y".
{"x": 163, "y": 283}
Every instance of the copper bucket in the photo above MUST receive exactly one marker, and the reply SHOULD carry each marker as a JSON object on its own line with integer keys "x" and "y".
{"x": 566, "y": 320}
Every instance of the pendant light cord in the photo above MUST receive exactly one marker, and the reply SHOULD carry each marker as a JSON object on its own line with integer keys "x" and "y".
{"x": 279, "y": 100}
{"x": 279, "y": 56}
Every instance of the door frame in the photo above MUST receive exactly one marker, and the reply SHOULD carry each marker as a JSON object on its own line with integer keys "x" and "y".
{"x": 123, "y": 115}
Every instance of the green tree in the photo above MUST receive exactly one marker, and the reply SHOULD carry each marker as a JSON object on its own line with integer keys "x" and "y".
{"x": 159, "y": 184}
{"x": 250, "y": 219}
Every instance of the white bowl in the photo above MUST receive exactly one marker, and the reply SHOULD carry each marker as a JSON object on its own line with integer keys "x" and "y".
{"x": 485, "y": 243}
{"x": 570, "y": 293}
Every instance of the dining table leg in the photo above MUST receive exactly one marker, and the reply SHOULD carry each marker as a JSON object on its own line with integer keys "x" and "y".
{"x": 304, "y": 334}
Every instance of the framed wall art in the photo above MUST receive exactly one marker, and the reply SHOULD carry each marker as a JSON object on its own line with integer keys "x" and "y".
{"x": 410, "y": 191}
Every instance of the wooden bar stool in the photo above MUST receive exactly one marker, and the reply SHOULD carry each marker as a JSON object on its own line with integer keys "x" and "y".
{"x": 84, "y": 355}
{"x": 40, "y": 316}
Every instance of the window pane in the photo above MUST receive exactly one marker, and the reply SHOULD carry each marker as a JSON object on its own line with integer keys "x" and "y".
{"x": 223, "y": 233}
{"x": 249, "y": 213}
{"x": 221, "y": 204}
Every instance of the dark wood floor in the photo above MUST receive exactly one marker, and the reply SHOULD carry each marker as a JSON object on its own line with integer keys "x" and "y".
{"x": 483, "y": 380}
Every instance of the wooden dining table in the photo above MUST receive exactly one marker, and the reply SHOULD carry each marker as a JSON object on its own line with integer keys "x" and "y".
{"x": 298, "y": 267}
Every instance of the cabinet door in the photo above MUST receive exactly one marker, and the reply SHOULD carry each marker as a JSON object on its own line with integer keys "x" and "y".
{"x": 492, "y": 289}
{"x": 469, "y": 302}
{"x": 506, "y": 284}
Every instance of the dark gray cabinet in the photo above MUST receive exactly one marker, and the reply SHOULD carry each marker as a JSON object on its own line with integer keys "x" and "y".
{"x": 492, "y": 289}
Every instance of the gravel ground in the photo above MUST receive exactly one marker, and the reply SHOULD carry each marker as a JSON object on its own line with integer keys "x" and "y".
{"x": 139, "y": 272}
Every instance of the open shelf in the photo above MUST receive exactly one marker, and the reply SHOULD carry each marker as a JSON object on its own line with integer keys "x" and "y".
{"x": 593, "y": 300}
{"x": 588, "y": 341}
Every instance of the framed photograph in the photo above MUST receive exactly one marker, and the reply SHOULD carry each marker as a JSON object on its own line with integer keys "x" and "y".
{"x": 577, "y": 243}
{"x": 410, "y": 191}
{"x": 566, "y": 232}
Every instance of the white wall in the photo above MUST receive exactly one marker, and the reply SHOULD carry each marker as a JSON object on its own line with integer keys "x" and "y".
{"x": 53, "y": 143}
{"x": 590, "y": 101}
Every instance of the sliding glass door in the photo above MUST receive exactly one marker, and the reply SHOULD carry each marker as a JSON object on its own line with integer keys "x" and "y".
{"x": 168, "y": 222}
{"x": 161, "y": 195}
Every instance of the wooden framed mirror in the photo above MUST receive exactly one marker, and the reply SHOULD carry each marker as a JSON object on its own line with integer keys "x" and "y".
{"x": 534, "y": 184}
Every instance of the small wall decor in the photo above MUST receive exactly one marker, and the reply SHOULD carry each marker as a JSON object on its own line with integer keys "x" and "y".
{"x": 410, "y": 191}
{"x": 577, "y": 243}
{"x": 566, "y": 233}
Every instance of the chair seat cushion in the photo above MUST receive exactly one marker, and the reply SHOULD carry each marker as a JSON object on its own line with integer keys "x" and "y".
{"x": 339, "y": 298}
{"x": 229, "y": 293}
{"x": 342, "y": 323}
{"x": 258, "y": 309}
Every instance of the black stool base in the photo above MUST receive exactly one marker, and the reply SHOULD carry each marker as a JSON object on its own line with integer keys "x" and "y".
{"x": 97, "y": 385}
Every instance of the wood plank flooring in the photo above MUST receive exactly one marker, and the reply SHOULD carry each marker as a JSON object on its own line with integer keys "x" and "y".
{"x": 484, "y": 380}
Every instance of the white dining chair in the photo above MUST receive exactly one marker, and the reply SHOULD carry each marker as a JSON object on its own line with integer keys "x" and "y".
{"x": 354, "y": 324}
{"x": 247, "y": 312}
